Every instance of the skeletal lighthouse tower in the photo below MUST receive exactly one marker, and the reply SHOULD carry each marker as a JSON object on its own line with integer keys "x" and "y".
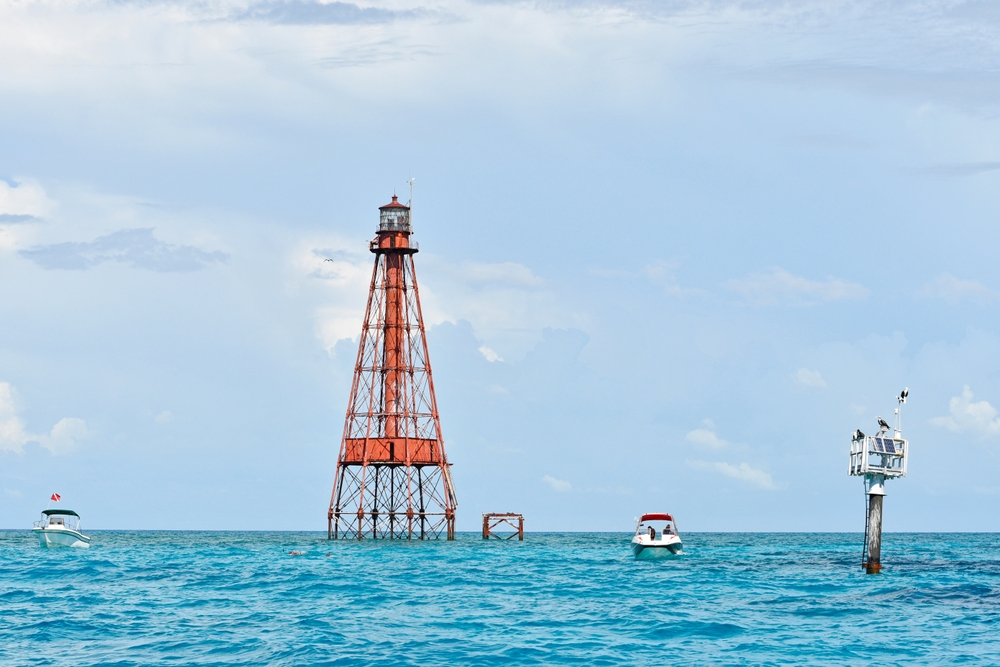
{"x": 393, "y": 479}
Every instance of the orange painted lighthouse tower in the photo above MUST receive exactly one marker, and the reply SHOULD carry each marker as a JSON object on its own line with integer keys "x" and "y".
{"x": 393, "y": 478}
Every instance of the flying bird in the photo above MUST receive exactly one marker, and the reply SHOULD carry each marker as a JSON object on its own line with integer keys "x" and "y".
{"x": 883, "y": 425}
{"x": 858, "y": 435}
{"x": 327, "y": 260}
{"x": 902, "y": 396}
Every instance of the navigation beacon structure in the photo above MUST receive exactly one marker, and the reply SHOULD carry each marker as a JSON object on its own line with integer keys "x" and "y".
{"x": 878, "y": 458}
{"x": 393, "y": 479}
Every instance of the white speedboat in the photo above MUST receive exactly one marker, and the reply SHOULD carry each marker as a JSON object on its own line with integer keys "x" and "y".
{"x": 656, "y": 537}
{"x": 60, "y": 528}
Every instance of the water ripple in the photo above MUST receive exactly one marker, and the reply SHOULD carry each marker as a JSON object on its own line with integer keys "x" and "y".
{"x": 241, "y": 599}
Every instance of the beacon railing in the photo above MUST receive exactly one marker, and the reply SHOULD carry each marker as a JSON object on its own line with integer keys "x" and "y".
{"x": 878, "y": 456}
{"x": 410, "y": 243}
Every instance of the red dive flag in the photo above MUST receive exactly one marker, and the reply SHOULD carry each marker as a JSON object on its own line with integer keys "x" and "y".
{"x": 56, "y": 497}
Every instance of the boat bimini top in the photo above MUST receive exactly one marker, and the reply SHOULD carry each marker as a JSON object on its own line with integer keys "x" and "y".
{"x": 59, "y": 518}
{"x": 640, "y": 522}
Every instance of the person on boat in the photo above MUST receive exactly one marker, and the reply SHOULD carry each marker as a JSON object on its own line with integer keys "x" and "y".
{"x": 652, "y": 533}
{"x": 667, "y": 530}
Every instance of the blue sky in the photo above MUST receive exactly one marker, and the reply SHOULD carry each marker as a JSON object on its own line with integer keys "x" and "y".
{"x": 672, "y": 254}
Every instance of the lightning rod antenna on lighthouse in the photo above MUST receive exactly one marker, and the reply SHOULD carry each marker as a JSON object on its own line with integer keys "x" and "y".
{"x": 410, "y": 181}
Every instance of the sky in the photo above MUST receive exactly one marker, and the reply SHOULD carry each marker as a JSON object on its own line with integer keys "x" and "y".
{"x": 671, "y": 254}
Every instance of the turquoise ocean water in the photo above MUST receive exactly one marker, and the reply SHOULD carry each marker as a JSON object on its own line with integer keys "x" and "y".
{"x": 229, "y": 598}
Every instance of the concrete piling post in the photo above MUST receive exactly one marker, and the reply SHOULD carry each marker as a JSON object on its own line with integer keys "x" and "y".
{"x": 873, "y": 564}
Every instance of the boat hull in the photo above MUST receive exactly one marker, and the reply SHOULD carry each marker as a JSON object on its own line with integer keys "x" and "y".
{"x": 61, "y": 537}
{"x": 644, "y": 549}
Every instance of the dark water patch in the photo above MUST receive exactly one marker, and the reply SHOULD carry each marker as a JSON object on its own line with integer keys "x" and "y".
{"x": 960, "y": 594}
{"x": 830, "y": 611}
{"x": 16, "y": 595}
{"x": 710, "y": 630}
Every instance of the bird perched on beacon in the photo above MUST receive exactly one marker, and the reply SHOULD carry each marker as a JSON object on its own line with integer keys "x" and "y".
{"x": 904, "y": 394}
{"x": 883, "y": 426}
{"x": 858, "y": 435}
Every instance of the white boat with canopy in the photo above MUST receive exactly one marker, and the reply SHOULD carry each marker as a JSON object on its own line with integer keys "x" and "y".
{"x": 656, "y": 538}
{"x": 60, "y": 528}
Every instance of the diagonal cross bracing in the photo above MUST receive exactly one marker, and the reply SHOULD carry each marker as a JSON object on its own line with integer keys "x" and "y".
{"x": 393, "y": 479}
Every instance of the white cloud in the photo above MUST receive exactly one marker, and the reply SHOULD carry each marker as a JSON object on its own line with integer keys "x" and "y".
{"x": 61, "y": 439}
{"x": 953, "y": 290}
{"x": 969, "y": 417}
{"x": 559, "y": 485}
{"x": 504, "y": 273}
{"x": 164, "y": 417}
{"x": 336, "y": 324}
{"x": 780, "y": 286}
{"x": 342, "y": 266}
{"x": 706, "y": 437}
{"x": 507, "y": 304}
{"x": 24, "y": 198}
{"x": 662, "y": 274}
{"x": 743, "y": 472}
{"x": 89, "y": 228}
{"x": 501, "y": 301}
{"x": 808, "y": 378}
{"x": 12, "y": 435}
{"x": 12, "y": 493}
{"x": 136, "y": 248}
{"x": 490, "y": 355}
{"x": 345, "y": 276}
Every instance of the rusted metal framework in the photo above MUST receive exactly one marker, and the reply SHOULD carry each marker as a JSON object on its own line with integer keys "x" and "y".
{"x": 393, "y": 478}
{"x": 491, "y": 522}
